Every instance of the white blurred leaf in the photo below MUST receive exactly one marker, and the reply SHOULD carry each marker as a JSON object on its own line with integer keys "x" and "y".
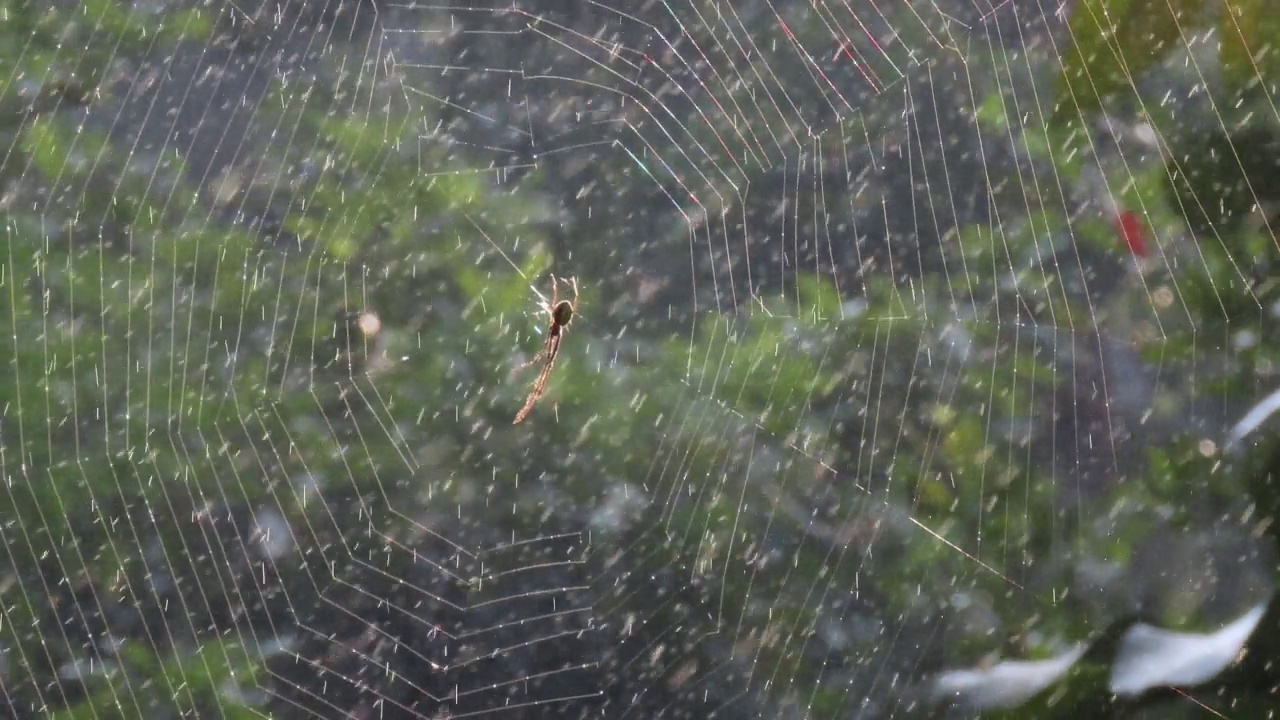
{"x": 1257, "y": 415}
{"x": 1003, "y": 685}
{"x": 1149, "y": 657}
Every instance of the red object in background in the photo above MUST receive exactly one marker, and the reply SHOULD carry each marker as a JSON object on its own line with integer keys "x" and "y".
{"x": 1132, "y": 233}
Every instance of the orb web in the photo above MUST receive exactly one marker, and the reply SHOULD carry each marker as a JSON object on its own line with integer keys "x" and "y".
{"x": 882, "y": 307}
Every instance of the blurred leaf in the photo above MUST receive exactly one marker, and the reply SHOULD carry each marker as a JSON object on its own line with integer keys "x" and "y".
{"x": 1149, "y": 657}
{"x": 1006, "y": 684}
{"x": 1139, "y": 658}
{"x": 819, "y": 299}
{"x": 992, "y": 115}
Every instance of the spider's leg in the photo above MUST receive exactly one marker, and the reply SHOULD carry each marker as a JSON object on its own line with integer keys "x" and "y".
{"x": 535, "y": 391}
{"x": 532, "y": 361}
{"x": 550, "y": 309}
{"x": 538, "y": 356}
{"x": 549, "y": 360}
{"x": 540, "y": 385}
{"x": 524, "y": 411}
{"x": 542, "y": 298}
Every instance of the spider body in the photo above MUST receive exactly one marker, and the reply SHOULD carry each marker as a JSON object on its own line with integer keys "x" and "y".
{"x": 560, "y": 313}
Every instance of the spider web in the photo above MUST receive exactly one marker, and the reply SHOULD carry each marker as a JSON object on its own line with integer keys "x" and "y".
{"x": 884, "y": 330}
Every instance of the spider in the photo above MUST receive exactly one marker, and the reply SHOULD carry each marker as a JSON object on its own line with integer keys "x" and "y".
{"x": 561, "y": 314}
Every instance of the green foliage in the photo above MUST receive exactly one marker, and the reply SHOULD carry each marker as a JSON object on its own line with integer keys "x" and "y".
{"x": 57, "y": 55}
{"x": 1218, "y": 167}
{"x": 127, "y": 26}
{"x": 215, "y": 679}
{"x": 1115, "y": 42}
{"x": 161, "y": 357}
{"x": 125, "y": 308}
{"x": 1250, "y": 31}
